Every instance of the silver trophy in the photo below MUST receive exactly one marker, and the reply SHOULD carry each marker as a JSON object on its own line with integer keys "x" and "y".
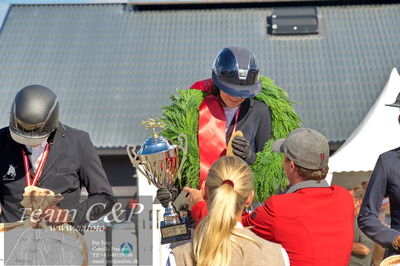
{"x": 158, "y": 161}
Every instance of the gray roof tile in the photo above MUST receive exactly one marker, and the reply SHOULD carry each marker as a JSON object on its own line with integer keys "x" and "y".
{"x": 112, "y": 68}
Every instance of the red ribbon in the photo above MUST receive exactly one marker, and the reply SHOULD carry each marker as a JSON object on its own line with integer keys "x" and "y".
{"x": 203, "y": 85}
{"x": 211, "y": 135}
{"x": 211, "y": 132}
{"x": 28, "y": 179}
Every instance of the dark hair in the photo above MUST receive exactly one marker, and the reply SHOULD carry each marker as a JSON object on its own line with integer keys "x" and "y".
{"x": 215, "y": 91}
{"x": 353, "y": 189}
{"x": 358, "y": 193}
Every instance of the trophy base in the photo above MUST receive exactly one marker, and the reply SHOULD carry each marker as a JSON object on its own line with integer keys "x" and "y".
{"x": 175, "y": 232}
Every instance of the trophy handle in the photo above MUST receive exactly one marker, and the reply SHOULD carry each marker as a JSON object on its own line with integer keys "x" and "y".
{"x": 183, "y": 145}
{"x": 135, "y": 160}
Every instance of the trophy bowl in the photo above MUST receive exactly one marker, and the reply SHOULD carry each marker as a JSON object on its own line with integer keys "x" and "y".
{"x": 158, "y": 160}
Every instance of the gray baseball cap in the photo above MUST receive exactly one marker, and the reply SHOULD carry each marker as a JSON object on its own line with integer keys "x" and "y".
{"x": 396, "y": 103}
{"x": 305, "y": 147}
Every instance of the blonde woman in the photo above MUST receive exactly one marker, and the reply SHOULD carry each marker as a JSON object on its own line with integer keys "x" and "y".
{"x": 220, "y": 238}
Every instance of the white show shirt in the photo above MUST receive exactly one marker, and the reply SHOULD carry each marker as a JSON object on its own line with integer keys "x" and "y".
{"x": 36, "y": 154}
{"x": 229, "y": 114}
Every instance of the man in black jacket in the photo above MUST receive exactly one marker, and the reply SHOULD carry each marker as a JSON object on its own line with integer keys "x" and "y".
{"x": 384, "y": 182}
{"x": 38, "y": 150}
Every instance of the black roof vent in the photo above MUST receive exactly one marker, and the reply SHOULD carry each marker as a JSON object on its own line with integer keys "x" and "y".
{"x": 293, "y": 21}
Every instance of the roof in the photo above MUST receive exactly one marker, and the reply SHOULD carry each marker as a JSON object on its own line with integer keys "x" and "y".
{"x": 112, "y": 67}
{"x": 377, "y": 133}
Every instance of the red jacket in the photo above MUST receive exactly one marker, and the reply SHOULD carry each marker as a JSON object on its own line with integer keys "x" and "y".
{"x": 314, "y": 225}
{"x": 199, "y": 211}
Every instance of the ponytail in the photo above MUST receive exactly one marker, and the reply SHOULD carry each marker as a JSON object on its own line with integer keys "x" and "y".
{"x": 229, "y": 182}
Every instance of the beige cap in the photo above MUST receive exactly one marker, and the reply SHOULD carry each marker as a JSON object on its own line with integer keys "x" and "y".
{"x": 305, "y": 147}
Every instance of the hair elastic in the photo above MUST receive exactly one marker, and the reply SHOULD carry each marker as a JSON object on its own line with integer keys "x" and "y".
{"x": 228, "y": 181}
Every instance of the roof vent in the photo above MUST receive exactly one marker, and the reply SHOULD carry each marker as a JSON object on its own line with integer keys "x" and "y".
{"x": 293, "y": 21}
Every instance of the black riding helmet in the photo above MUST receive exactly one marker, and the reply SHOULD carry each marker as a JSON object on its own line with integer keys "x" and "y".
{"x": 235, "y": 71}
{"x": 34, "y": 115}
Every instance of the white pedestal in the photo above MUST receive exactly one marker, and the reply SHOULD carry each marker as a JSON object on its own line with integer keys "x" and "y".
{"x": 152, "y": 221}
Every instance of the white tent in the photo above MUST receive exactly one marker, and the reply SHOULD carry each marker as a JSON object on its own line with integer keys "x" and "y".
{"x": 377, "y": 133}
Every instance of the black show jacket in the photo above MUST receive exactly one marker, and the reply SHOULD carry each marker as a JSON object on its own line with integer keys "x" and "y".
{"x": 72, "y": 163}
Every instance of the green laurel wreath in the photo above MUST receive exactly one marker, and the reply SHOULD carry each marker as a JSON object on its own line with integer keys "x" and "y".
{"x": 181, "y": 117}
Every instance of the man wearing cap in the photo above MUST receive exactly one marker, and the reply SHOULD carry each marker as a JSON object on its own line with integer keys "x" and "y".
{"x": 312, "y": 220}
{"x": 38, "y": 150}
{"x": 384, "y": 182}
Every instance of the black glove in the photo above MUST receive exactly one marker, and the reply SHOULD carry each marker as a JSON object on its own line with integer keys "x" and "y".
{"x": 241, "y": 148}
{"x": 165, "y": 196}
